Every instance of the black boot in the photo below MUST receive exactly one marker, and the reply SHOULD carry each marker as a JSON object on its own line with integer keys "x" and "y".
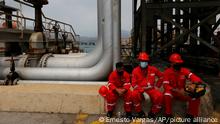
{"x": 168, "y": 118}
{"x": 110, "y": 114}
{"x": 129, "y": 115}
{"x": 141, "y": 114}
{"x": 151, "y": 115}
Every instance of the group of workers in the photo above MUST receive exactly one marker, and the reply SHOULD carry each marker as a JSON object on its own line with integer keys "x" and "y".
{"x": 147, "y": 79}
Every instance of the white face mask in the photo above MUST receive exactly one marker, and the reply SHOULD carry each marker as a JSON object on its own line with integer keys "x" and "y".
{"x": 143, "y": 64}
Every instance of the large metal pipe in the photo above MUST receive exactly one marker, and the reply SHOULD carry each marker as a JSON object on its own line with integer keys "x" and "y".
{"x": 70, "y": 55}
{"x": 88, "y": 60}
{"x": 4, "y": 61}
{"x": 18, "y": 60}
{"x": 97, "y": 72}
{"x": 116, "y": 14}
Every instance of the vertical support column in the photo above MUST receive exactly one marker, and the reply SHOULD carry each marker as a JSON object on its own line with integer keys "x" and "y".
{"x": 193, "y": 20}
{"x": 143, "y": 26}
{"x": 155, "y": 36}
{"x": 108, "y": 28}
{"x": 149, "y": 28}
{"x": 8, "y": 19}
{"x": 169, "y": 30}
{"x": 116, "y": 20}
{"x": 162, "y": 41}
{"x": 136, "y": 29}
{"x": 205, "y": 30}
{"x": 169, "y": 36}
{"x": 186, "y": 22}
{"x": 177, "y": 30}
{"x": 149, "y": 39}
{"x": 38, "y": 18}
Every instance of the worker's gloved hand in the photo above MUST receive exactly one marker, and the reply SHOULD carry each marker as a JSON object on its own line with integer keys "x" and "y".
{"x": 190, "y": 87}
{"x": 195, "y": 90}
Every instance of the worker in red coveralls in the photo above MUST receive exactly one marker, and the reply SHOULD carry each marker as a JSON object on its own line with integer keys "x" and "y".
{"x": 143, "y": 81}
{"x": 174, "y": 83}
{"x": 119, "y": 86}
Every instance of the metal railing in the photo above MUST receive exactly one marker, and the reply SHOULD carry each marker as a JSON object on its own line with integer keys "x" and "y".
{"x": 62, "y": 27}
{"x": 48, "y": 26}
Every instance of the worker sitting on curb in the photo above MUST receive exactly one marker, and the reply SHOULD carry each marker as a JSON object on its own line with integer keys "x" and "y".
{"x": 176, "y": 88}
{"x": 143, "y": 82}
{"x": 118, "y": 86}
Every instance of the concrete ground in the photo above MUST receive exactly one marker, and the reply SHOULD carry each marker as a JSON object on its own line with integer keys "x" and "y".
{"x": 51, "y": 118}
{"x": 45, "y": 118}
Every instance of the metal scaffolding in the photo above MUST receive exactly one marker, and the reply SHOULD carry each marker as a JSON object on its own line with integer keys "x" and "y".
{"x": 185, "y": 26}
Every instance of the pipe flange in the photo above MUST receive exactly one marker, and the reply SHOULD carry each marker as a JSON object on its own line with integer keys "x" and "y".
{"x": 43, "y": 60}
{"x": 23, "y": 61}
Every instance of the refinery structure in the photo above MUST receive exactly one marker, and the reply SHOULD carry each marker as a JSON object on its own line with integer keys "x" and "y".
{"x": 40, "y": 53}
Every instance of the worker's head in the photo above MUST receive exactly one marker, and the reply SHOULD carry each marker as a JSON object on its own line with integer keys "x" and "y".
{"x": 103, "y": 91}
{"x": 120, "y": 68}
{"x": 176, "y": 61}
{"x": 143, "y": 58}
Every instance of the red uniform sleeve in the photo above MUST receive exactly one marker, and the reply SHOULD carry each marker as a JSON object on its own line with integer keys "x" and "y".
{"x": 191, "y": 76}
{"x": 111, "y": 81}
{"x": 127, "y": 83}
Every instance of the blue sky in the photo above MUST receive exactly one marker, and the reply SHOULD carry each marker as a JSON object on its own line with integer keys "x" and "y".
{"x": 82, "y": 14}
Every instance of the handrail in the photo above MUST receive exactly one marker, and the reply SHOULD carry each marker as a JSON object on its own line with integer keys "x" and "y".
{"x": 18, "y": 16}
{"x": 24, "y": 3}
{"x": 63, "y": 31}
{"x": 59, "y": 22}
{"x": 72, "y": 32}
{"x": 10, "y": 20}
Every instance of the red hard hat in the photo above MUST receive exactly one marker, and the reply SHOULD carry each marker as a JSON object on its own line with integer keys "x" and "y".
{"x": 143, "y": 56}
{"x": 103, "y": 91}
{"x": 175, "y": 58}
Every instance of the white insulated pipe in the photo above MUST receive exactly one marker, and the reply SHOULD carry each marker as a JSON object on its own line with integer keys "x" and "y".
{"x": 85, "y": 61}
{"x": 18, "y": 60}
{"x": 71, "y": 61}
{"x": 116, "y": 14}
{"x": 70, "y": 55}
{"x": 4, "y": 61}
{"x": 98, "y": 72}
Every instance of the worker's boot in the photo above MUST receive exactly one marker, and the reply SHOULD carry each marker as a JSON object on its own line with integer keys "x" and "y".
{"x": 129, "y": 115}
{"x": 110, "y": 114}
{"x": 151, "y": 115}
{"x": 141, "y": 114}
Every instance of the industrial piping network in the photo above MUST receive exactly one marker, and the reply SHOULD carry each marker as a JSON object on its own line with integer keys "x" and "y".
{"x": 102, "y": 68}
{"x": 92, "y": 58}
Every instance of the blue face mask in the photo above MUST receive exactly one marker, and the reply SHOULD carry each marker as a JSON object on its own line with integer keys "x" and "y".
{"x": 143, "y": 64}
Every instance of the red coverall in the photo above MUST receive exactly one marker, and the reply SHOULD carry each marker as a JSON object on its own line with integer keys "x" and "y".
{"x": 176, "y": 80}
{"x": 143, "y": 80}
{"x": 123, "y": 82}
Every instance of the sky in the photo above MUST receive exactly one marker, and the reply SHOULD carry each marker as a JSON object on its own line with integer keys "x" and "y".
{"x": 81, "y": 14}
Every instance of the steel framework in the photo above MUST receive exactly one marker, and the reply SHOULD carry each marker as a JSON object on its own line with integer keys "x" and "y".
{"x": 189, "y": 27}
